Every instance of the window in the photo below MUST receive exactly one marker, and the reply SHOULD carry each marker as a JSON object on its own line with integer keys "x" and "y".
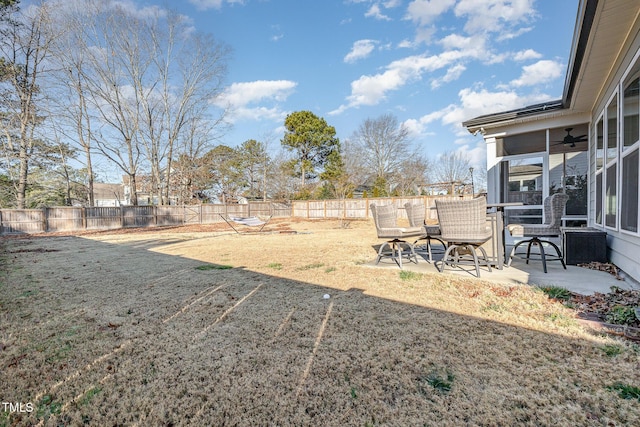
{"x": 629, "y": 192}
{"x": 568, "y": 174}
{"x": 631, "y": 111}
{"x": 532, "y": 142}
{"x": 630, "y": 155}
{"x": 599, "y": 144}
{"x": 524, "y": 180}
{"x": 598, "y": 219}
{"x": 599, "y": 135}
{"x": 610, "y": 199}
{"x": 611, "y": 165}
{"x": 612, "y": 129}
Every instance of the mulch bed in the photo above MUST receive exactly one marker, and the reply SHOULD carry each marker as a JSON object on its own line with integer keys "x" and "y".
{"x": 616, "y": 312}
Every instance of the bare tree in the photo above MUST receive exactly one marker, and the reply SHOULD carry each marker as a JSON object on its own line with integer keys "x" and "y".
{"x": 24, "y": 46}
{"x": 383, "y": 146}
{"x": 190, "y": 173}
{"x": 69, "y": 105}
{"x": 187, "y": 72}
{"x": 140, "y": 82}
{"x": 414, "y": 176}
{"x": 451, "y": 170}
{"x": 113, "y": 64}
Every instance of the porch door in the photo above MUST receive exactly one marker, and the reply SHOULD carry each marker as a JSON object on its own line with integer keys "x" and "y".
{"x": 523, "y": 181}
{"x": 568, "y": 173}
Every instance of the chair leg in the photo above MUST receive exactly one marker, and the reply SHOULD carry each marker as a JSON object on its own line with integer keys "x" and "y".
{"x": 381, "y": 251}
{"x": 486, "y": 258}
{"x": 513, "y": 251}
{"x": 535, "y": 241}
{"x": 471, "y": 249}
{"x": 543, "y": 256}
{"x": 560, "y": 257}
{"x": 429, "y": 238}
{"x": 445, "y": 256}
{"x": 427, "y": 245}
{"x": 453, "y": 252}
{"x": 529, "y": 249}
{"x": 393, "y": 249}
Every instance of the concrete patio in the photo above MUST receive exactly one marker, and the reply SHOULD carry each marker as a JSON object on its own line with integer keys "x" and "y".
{"x": 580, "y": 280}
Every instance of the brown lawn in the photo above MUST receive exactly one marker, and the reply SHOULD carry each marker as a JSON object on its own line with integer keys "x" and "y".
{"x": 150, "y": 327}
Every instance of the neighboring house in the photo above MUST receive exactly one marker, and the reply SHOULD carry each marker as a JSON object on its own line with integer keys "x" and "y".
{"x": 108, "y": 194}
{"x": 586, "y": 144}
{"x": 143, "y": 191}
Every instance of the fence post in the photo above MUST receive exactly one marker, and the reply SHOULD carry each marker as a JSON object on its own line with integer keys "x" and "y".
{"x": 44, "y": 219}
{"x": 83, "y": 215}
{"x": 121, "y": 216}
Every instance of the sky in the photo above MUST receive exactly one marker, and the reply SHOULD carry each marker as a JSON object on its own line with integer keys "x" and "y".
{"x": 431, "y": 63}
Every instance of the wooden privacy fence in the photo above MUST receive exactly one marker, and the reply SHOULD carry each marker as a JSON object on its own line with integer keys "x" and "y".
{"x": 16, "y": 221}
{"x": 359, "y": 208}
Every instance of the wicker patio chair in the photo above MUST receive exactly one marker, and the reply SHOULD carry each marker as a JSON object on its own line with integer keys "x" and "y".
{"x": 417, "y": 217}
{"x": 540, "y": 233}
{"x": 463, "y": 225}
{"x": 396, "y": 246}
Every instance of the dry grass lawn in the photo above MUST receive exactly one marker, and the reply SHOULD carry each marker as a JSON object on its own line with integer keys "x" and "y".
{"x": 205, "y": 327}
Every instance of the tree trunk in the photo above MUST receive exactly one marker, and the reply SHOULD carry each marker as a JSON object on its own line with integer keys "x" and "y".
{"x": 133, "y": 190}
{"x": 89, "y": 176}
{"x": 22, "y": 178}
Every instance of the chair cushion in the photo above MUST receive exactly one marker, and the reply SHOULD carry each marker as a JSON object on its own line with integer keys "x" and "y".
{"x": 400, "y": 232}
{"x": 532, "y": 230}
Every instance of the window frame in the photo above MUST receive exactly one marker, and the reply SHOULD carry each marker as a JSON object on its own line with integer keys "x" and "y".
{"x": 631, "y": 74}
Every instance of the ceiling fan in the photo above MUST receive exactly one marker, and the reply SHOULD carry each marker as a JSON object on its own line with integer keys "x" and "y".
{"x": 571, "y": 140}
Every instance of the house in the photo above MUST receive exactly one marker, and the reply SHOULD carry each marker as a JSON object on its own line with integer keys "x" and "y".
{"x": 108, "y": 194}
{"x": 586, "y": 144}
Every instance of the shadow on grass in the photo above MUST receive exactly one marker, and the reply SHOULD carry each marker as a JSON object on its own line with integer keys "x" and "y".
{"x": 100, "y": 333}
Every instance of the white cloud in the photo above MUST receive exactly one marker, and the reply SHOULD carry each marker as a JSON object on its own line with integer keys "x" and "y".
{"x": 213, "y": 4}
{"x": 418, "y": 127}
{"x": 453, "y": 73}
{"x": 139, "y": 12}
{"x": 474, "y": 46}
{"x": 425, "y": 12}
{"x": 240, "y": 96}
{"x": 392, "y": 3}
{"x": 277, "y": 33}
{"x": 375, "y": 12}
{"x": 371, "y": 90}
{"x": 493, "y": 16}
{"x": 541, "y": 72}
{"x": 360, "y": 50}
{"x": 527, "y": 54}
{"x": 474, "y": 103}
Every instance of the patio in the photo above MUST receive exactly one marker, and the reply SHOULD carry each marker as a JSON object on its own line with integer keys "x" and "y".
{"x": 580, "y": 280}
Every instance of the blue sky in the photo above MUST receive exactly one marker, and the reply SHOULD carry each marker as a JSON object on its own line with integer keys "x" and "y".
{"x": 431, "y": 63}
